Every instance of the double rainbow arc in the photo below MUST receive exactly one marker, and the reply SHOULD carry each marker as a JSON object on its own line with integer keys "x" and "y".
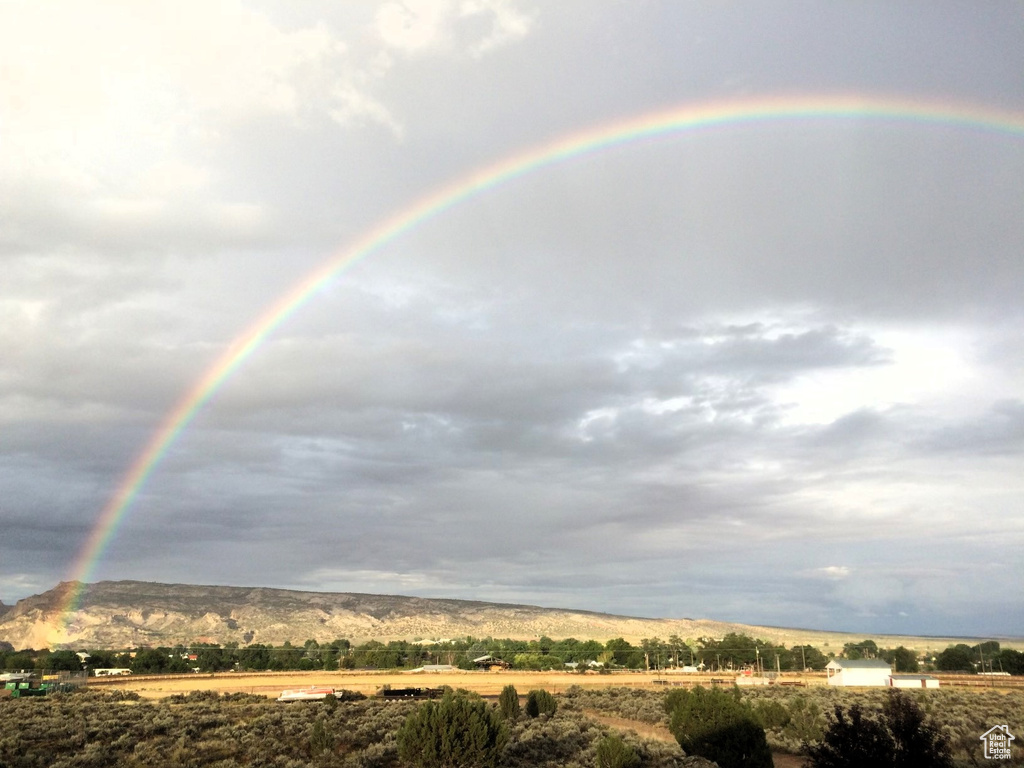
{"x": 704, "y": 116}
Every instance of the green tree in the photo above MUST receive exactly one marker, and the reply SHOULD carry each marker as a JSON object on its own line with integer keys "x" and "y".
{"x": 902, "y": 659}
{"x": 865, "y": 649}
{"x": 158, "y": 660}
{"x": 809, "y": 655}
{"x": 613, "y": 752}
{"x": 736, "y": 650}
{"x": 508, "y": 703}
{"x": 25, "y": 659}
{"x": 100, "y": 659}
{"x": 537, "y": 661}
{"x": 956, "y": 658}
{"x": 717, "y": 725}
{"x": 459, "y": 730}
{"x": 1010, "y": 661}
{"x": 212, "y": 658}
{"x": 655, "y": 653}
{"x": 62, "y": 660}
{"x": 985, "y": 653}
{"x": 256, "y": 657}
{"x": 899, "y": 737}
{"x": 540, "y": 702}
{"x": 285, "y": 657}
{"x": 623, "y": 653}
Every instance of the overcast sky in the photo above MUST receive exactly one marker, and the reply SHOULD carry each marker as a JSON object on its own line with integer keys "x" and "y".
{"x": 768, "y": 372}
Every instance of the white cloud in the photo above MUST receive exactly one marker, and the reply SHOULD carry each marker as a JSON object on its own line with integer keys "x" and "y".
{"x": 413, "y": 26}
{"x": 113, "y": 92}
{"x": 926, "y": 365}
{"x": 417, "y": 27}
{"x": 510, "y": 23}
{"x": 835, "y": 572}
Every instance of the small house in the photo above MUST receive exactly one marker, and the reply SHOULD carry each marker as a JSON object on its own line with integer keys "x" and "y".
{"x": 874, "y": 672}
{"x": 913, "y": 681}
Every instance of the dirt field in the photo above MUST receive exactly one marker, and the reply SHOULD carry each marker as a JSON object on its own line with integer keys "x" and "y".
{"x": 271, "y": 684}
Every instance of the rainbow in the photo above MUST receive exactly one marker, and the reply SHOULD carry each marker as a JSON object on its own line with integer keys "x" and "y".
{"x": 689, "y": 118}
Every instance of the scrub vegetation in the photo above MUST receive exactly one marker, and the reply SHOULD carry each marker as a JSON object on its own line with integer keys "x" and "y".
{"x": 795, "y": 719}
{"x": 89, "y": 728}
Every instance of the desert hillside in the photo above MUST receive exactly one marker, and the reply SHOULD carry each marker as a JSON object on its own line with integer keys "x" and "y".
{"x": 122, "y": 614}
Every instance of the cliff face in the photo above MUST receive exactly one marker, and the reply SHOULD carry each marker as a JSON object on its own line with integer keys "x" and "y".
{"x": 122, "y": 614}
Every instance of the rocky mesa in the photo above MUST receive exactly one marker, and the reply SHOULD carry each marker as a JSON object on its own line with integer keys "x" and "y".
{"x": 123, "y": 614}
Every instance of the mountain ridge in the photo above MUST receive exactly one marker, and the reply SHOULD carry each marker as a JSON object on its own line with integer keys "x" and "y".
{"x": 129, "y": 614}
{"x": 133, "y": 613}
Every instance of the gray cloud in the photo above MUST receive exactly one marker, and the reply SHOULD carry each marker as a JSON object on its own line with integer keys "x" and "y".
{"x": 741, "y": 372}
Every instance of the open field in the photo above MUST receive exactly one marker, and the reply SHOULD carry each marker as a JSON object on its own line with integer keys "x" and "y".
{"x": 271, "y": 684}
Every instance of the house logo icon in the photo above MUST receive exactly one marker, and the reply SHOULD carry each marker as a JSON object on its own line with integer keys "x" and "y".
{"x": 997, "y": 742}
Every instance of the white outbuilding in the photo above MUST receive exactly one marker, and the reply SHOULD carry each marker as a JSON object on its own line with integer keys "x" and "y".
{"x": 858, "y": 672}
{"x": 913, "y": 681}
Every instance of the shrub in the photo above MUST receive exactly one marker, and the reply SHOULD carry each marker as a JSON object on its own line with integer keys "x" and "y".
{"x": 320, "y": 739}
{"x": 851, "y": 739}
{"x": 458, "y": 730}
{"x": 508, "y": 702}
{"x": 540, "y": 702}
{"x": 899, "y": 737}
{"x": 772, "y": 714}
{"x": 715, "y": 724}
{"x": 613, "y": 752}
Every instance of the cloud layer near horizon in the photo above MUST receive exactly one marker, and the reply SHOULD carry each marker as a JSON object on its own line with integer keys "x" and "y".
{"x": 768, "y": 373}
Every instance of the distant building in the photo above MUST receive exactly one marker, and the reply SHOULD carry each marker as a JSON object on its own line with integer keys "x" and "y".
{"x": 847, "y": 672}
{"x": 913, "y": 681}
{"x": 489, "y": 662}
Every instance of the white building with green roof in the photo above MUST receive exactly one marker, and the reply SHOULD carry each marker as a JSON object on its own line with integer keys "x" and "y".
{"x": 874, "y": 672}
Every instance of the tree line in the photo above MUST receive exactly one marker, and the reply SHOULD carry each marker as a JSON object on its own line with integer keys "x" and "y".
{"x": 731, "y": 653}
